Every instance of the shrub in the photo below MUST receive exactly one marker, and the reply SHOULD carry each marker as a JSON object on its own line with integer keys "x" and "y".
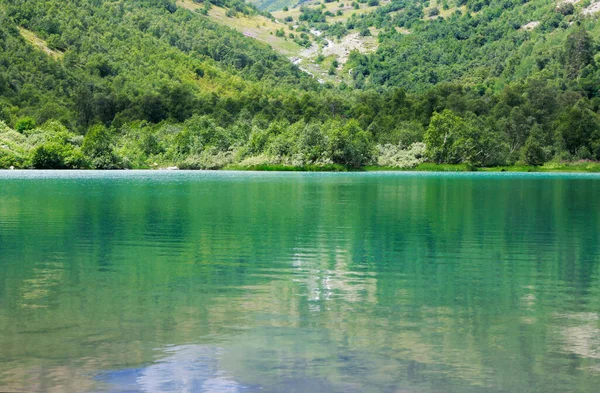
{"x": 565, "y": 9}
{"x": 9, "y": 158}
{"x": 433, "y": 12}
{"x": 53, "y": 155}
{"x": 349, "y": 144}
{"x": 25, "y": 124}
{"x": 98, "y": 146}
{"x": 533, "y": 153}
{"x": 210, "y": 158}
{"x": 396, "y": 157}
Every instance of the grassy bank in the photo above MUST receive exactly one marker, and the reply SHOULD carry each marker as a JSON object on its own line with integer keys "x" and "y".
{"x": 578, "y": 167}
{"x": 288, "y": 168}
{"x": 590, "y": 167}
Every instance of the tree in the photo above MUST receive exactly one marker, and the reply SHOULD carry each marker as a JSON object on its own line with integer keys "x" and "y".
{"x": 98, "y": 146}
{"x": 348, "y": 144}
{"x": 452, "y": 139}
{"x": 533, "y": 152}
{"x": 576, "y": 126}
{"x": 565, "y": 8}
{"x": 516, "y": 129}
{"x": 310, "y": 143}
{"x": 579, "y": 52}
{"x": 441, "y": 137}
{"x": 53, "y": 155}
{"x": 434, "y": 12}
{"x": 25, "y": 124}
{"x": 365, "y": 32}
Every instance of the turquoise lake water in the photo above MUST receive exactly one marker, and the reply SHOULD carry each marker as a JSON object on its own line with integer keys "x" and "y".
{"x": 147, "y": 281}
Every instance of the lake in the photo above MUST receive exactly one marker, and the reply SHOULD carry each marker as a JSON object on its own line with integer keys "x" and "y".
{"x": 148, "y": 281}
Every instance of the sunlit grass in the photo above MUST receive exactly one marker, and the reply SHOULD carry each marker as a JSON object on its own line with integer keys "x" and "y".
{"x": 288, "y": 168}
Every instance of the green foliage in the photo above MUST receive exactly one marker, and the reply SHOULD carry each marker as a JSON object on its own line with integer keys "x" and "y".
{"x": 365, "y": 32}
{"x": 349, "y": 145}
{"x": 579, "y": 52}
{"x": 578, "y": 128}
{"x": 452, "y": 139}
{"x": 443, "y": 138}
{"x": 25, "y": 124}
{"x": 533, "y": 152}
{"x": 566, "y": 8}
{"x": 98, "y": 147}
{"x": 54, "y": 155}
{"x": 477, "y": 89}
{"x": 111, "y": 48}
{"x": 433, "y": 12}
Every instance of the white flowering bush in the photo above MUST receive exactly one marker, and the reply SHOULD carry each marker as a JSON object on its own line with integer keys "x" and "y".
{"x": 210, "y": 158}
{"x": 396, "y": 156}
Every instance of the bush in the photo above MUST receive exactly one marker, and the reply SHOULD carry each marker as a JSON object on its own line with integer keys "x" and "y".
{"x": 349, "y": 145}
{"x": 211, "y": 158}
{"x": 310, "y": 145}
{"x": 25, "y": 124}
{"x": 565, "y": 9}
{"x": 53, "y": 155}
{"x": 9, "y": 158}
{"x": 98, "y": 146}
{"x": 365, "y": 32}
{"x": 533, "y": 153}
{"x": 452, "y": 139}
{"x": 434, "y": 12}
{"x": 396, "y": 157}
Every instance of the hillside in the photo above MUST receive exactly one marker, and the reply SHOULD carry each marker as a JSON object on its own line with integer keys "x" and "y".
{"x": 274, "y": 5}
{"x": 140, "y": 83}
{"x": 312, "y": 50}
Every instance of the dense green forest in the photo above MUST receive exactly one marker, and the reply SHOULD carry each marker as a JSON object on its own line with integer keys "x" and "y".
{"x": 143, "y": 83}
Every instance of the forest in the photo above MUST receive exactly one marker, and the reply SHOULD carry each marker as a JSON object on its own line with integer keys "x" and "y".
{"x": 148, "y": 84}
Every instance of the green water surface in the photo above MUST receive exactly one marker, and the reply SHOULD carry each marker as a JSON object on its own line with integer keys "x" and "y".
{"x": 292, "y": 282}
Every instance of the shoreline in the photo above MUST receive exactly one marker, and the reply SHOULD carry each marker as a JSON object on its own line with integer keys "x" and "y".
{"x": 580, "y": 167}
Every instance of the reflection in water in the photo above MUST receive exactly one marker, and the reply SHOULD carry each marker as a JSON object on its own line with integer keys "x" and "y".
{"x": 581, "y": 334}
{"x": 145, "y": 282}
{"x": 186, "y": 369}
{"x": 37, "y": 290}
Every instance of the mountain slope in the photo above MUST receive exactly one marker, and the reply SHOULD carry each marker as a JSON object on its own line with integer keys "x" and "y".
{"x": 472, "y": 42}
{"x": 127, "y": 59}
{"x": 314, "y": 47}
{"x": 274, "y": 5}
